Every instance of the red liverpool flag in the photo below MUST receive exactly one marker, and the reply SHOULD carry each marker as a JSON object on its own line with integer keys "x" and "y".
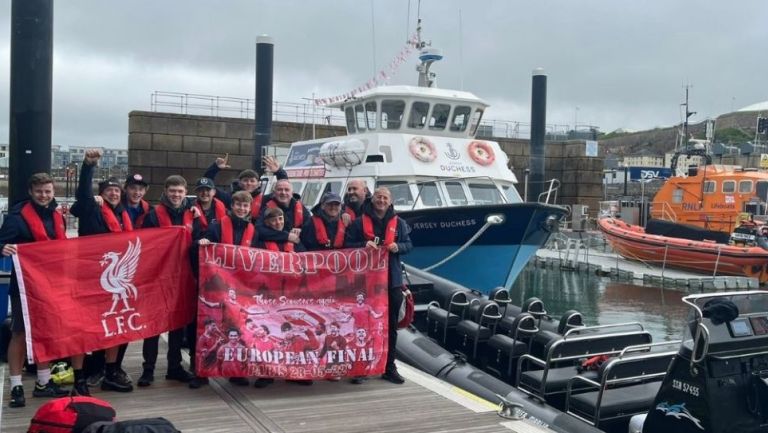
{"x": 312, "y": 315}
{"x": 95, "y": 292}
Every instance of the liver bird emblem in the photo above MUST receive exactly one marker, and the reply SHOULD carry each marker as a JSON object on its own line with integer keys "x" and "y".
{"x": 117, "y": 277}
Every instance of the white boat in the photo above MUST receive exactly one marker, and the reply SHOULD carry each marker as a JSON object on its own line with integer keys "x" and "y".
{"x": 457, "y": 192}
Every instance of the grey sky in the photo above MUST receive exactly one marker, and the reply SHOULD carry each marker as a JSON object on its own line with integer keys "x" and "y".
{"x": 622, "y": 63}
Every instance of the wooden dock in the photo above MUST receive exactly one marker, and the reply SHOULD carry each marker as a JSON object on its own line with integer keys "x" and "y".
{"x": 422, "y": 404}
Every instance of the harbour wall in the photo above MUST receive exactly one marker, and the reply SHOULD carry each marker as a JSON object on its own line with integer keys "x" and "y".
{"x": 162, "y": 144}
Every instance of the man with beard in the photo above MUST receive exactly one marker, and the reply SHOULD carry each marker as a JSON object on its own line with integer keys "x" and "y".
{"x": 107, "y": 215}
{"x": 208, "y": 346}
{"x": 379, "y": 227}
{"x": 333, "y": 341}
{"x": 357, "y": 193}
{"x": 232, "y": 356}
{"x": 34, "y": 220}
{"x": 173, "y": 210}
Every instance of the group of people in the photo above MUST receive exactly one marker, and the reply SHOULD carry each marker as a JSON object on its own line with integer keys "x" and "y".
{"x": 246, "y": 216}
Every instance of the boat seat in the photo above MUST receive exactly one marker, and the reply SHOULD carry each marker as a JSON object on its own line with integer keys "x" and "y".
{"x": 501, "y": 296}
{"x": 561, "y": 356}
{"x": 442, "y": 319}
{"x": 503, "y": 350}
{"x": 484, "y": 315}
{"x": 533, "y": 306}
{"x": 626, "y": 385}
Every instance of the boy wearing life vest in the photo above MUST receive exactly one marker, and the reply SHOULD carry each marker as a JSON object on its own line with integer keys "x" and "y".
{"x": 296, "y": 216}
{"x": 107, "y": 215}
{"x": 379, "y": 227}
{"x": 34, "y": 220}
{"x": 211, "y": 207}
{"x": 247, "y": 180}
{"x": 173, "y": 210}
{"x": 272, "y": 235}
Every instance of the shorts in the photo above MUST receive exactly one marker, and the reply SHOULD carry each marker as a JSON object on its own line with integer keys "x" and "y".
{"x": 17, "y": 316}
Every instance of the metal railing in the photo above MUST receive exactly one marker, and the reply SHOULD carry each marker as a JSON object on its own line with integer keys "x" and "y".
{"x": 225, "y": 106}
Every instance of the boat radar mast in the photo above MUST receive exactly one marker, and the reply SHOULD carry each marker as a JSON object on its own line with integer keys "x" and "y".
{"x": 428, "y": 56}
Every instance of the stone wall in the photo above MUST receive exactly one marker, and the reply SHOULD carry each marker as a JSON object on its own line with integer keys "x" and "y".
{"x": 162, "y": 144}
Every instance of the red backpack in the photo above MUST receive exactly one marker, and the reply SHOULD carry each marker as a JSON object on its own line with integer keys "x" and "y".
{"x": 70, "y": 415}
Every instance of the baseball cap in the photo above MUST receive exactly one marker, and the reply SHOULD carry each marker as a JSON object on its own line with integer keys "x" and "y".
{"x": 204, "y": 182}
{"x": 330, "y": 197}
{"x": 112, "y": 181}
{"x": 135, "y": 179}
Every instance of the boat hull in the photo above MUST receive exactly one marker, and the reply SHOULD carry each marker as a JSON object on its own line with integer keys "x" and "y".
{"x": 496, "y": 257}
{"x": 633, "y": 243}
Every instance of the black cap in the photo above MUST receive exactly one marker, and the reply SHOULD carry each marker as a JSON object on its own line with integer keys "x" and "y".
{"x": 112, "y": 181}
{"x": 135, "y": 179}
{"x": 330, "y": 197}
{"x": 204, "y": 182}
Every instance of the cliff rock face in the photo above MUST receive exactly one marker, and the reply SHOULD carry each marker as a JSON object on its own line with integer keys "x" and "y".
{"x": 662, "y": 140}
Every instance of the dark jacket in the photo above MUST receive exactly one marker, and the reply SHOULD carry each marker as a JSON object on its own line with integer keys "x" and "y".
{"x": 355, "y": 238}
{"x": 16, "y": 231}
{"x": 282, "y": 236}
{"x": 226, "y": 196}
{"x": 134, "y": 212}
{"x": 88, "y": 212}
{"x": 309, "y": 235}
{"x": 213, "y": 233}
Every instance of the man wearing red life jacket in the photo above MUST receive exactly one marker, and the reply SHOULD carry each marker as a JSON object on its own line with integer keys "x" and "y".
{"x": 296, "y": 215}
{"x": 247, "y": 180}
{"x": 379, "y": 227}
{"x": 34, "y": 220}
{"x": 326, "y": 230}
{"x": 173, "y": 210}
{"x": 107, "y": 215}
{"x": 357, "y": 193}
{"x": 211, "y": 208}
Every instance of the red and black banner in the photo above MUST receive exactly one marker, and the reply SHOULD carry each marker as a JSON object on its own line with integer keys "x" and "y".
{"x": 307, "y": 316}
{"x": 94, "y": 292}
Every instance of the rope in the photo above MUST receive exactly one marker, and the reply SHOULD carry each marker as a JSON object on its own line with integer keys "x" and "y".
{"x": 492, "y": 220}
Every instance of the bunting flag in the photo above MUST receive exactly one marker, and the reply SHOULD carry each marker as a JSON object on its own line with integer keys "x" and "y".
{"x": 94, "y": 292}
{"x": 381, "y": 77}
{"x": 301, "y": 316}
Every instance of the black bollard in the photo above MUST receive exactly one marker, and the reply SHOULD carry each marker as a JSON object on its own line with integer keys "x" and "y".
{"x": 263, "y": 103}
{"x": 538, "y": 131}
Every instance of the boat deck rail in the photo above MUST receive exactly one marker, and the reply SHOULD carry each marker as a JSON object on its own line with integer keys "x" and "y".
{"x": 662, "y": 210}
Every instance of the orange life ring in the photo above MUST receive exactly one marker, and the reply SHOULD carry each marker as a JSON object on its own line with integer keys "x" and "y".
{"x": 481, "y": 152}
{"x": 422, "y": 149}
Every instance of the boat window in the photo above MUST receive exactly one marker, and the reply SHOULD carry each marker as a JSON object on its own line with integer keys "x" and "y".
{"x": 729, "y": 186}
{"x": 762, "y": 190}
{"x": 391, "y": 113}
{"x": 439, "y": 116}
{"x": 311, "y": 193}
{"x": 418, "y": 117}
{"x": 401, "y": 192}
{"x": 460, "y": 118}
{"x": 370, "y": 114}
{"x": 360, "y": 116}
{"x": 745, "y": 186}
{"x": 333, "y": 187}
{"x": 349, "y": 113}
{"x": 511, "y": 194}
{"x": 677, "y": 195}
{"x": 430, "y": 195}
{"x": 483, "y": 193}
{"x": 456, "y": 193}
{"x": 475, "y": 121}
{"x": 297, "y": 185}
{"x": 710, "y": 186}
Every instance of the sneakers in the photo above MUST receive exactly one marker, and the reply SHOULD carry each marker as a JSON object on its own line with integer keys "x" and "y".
{"x": 81, "y": 388}
{"x": 95, "y": 379}
{"x": 123, "y": 376}
{"x": 263, "y": 382}
{"x": 116, "y": 382}
{"x": 359, "y": 380}
{"x": 393, "y": 376}
{"x": 239, "y": 381}
{"x": 17, "y": 397}
{"x": 179, "y": 374}
{"x": 197, "y": 382}
{"x": 50, "y": 389}
{"x": 147, "y": 377}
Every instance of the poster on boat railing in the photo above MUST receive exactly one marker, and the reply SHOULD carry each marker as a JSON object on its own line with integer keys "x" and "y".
{"x": 94, "y": 292}
{"x": 300, "y": 316}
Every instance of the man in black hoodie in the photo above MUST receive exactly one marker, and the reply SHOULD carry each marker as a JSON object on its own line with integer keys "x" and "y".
{"x": 108, "y": 215}
{"x": 34, "y": 220}
{"x": 357, "y": 193}
{"x": 296, "y": 216}
{"x": 326, "y": 232}
{"x": 247, "y": 180}
{"x": 379, "y": 227}
{"x": 173, "y": 210}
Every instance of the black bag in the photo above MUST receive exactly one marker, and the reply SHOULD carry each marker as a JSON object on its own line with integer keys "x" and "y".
{"x": 145, "y": 425}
